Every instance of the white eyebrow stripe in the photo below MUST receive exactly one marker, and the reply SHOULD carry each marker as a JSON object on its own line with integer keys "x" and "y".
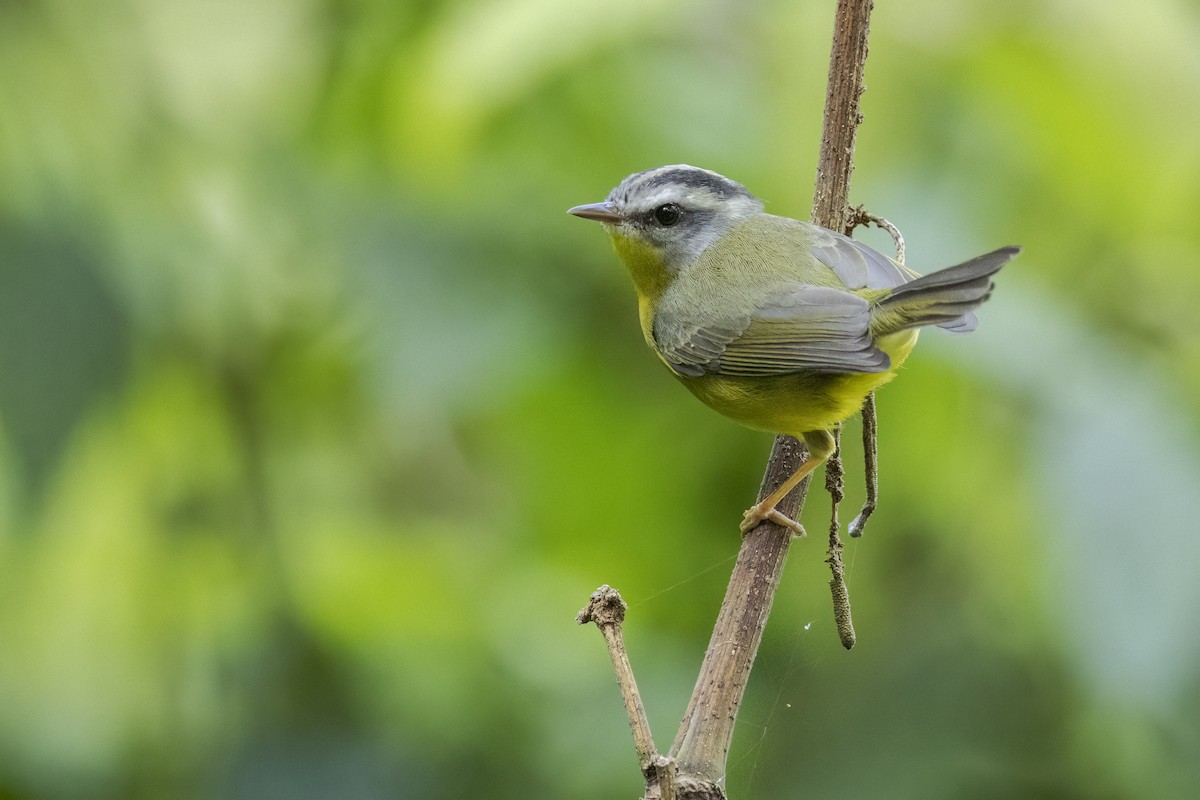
{"x": 696, "y": 198}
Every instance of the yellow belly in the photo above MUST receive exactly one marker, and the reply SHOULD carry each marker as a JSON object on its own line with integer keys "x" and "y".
{"x": 799, "y": 402}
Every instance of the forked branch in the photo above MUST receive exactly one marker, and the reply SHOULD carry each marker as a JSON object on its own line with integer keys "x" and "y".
{"x": 695, "y": 767}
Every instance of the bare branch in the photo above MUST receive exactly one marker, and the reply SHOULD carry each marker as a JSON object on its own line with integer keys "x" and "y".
{"x": 702, "y": 744}
{"x": 842, "y": 616}
{"x": 860, "y": 216}
{"x": 695, "y": 768}
{"x": 607, "y": 610}
{"x": 842, "y": 115}
{"x": 870, "y": 438}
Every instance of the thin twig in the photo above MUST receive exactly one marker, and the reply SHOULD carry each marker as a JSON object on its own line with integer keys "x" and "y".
{"x": 842, "y": 615}
{"x": 607, "y": 610}
{"x": 870, "y": 431}
{"x": 860, "y": 216}
{"x": 870, "y": 438}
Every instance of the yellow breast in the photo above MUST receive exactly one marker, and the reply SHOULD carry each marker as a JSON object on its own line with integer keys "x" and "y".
{"x": 798, "y": 402}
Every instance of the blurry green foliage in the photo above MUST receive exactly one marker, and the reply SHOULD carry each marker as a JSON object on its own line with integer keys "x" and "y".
{"x": 319, "y": 419}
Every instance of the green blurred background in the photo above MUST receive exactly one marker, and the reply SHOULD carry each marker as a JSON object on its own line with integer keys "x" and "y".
{"x": 320, "y": 419}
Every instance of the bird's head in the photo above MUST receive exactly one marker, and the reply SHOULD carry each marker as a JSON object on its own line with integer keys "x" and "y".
{"x": 662, "y": 219}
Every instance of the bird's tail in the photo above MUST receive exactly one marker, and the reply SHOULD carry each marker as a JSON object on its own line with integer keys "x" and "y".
{"x": 945, "y": 298}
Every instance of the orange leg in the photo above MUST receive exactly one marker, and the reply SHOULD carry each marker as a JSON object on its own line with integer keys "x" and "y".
{"x": 820, "y": 447}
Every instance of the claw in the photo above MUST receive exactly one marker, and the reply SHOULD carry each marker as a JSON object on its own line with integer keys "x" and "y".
{"x": 756, "y": 514}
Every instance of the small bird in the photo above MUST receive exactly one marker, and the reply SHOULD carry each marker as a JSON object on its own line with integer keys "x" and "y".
{"x": 778, "y": 324}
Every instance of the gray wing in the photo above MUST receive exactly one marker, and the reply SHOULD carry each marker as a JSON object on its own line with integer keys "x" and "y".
{"x": 798, "y": 329}
{"x": 861, "y": 267}
{"x": 857, "y": 265}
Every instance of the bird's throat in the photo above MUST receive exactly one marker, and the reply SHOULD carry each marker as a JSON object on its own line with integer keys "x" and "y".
{"x": 645, "y": 265}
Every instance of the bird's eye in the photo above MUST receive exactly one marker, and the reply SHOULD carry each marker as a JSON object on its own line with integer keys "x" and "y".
{"x": 667, "y": 214}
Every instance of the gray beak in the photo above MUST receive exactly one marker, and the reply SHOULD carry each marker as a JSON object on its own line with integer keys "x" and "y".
{"x": 601, "y": 212}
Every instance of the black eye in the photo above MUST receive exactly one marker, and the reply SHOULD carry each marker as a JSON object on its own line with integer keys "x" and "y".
{"x": 667, "y": 215}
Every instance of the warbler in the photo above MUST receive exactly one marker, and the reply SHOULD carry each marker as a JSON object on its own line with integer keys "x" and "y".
{"x": 778, "y": 324}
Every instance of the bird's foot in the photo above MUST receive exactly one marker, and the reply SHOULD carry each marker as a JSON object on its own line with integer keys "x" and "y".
{"x": 757, "y": 513}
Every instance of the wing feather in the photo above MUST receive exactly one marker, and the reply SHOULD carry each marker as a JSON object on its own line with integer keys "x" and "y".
{"x": 799, "y": 328}
{"x": 859, "y": 266}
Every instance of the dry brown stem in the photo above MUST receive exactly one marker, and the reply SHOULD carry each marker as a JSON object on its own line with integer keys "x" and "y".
{"x": 698, "y": 756}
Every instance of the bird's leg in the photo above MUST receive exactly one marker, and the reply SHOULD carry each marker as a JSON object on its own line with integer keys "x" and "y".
{"x": 820, "y": 446}
{"x": 871, "y": 457}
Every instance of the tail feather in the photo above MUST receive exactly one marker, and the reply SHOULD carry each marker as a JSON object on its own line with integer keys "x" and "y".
{"x": 946, "y": 297}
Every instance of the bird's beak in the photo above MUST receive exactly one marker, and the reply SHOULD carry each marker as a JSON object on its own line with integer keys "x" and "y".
{"x": 601, "y": 212}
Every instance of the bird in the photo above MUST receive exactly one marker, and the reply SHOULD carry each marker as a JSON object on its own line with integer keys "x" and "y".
{"x": 778, "y": 324}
